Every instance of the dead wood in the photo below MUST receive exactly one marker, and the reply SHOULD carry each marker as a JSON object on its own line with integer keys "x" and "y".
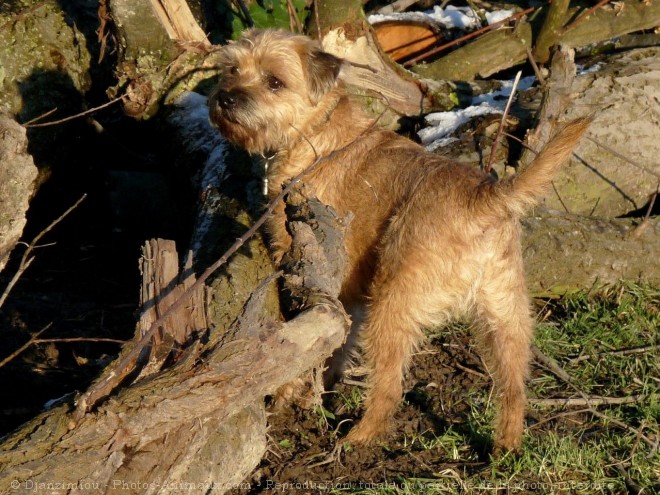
{"x": 614, "y": 171}
{"x": 177, "y": 19}
{"x": 589, "y": 400}
{"x": 493, "y": 52}
{"x": 610, "y": 21}
{"x": 550, "y": 33}
{"x": 17, "y": 176}
{"x": 555, "y": 100}
{"x": 162, "y": 287}
{"x": 506, "y": 47}
{"x": 202, "y": 420}
{"x": 165, "y": 424}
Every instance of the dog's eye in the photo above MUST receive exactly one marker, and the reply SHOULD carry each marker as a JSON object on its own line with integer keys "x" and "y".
{"x": 274, "y": 83}
{"x": 234, "y": 70}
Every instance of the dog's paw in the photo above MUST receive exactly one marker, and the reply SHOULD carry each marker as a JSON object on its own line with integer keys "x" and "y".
{"x": 504, "y": 446}
{"x": 298, "y": 391}
{"x": 365, "y": 433}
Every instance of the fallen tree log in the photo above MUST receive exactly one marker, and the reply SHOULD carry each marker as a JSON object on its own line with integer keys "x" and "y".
{"x": 565, "y": 253}
{"x": 471, "y": 61}
{"x": 201, "y": 422}
{"x": 172, "y": 429}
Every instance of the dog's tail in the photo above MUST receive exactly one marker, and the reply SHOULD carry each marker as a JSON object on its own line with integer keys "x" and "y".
{"x": 522, "y": 191}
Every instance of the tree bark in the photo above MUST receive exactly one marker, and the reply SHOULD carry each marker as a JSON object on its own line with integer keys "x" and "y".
{"x": 491, "y": 53}
{"x": 17, "y": 176}
{"x": 551, "y": 30}
{"x": 45, "y": 58}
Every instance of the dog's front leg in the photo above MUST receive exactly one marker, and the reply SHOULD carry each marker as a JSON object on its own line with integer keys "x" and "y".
{"x": 280, "y": 239}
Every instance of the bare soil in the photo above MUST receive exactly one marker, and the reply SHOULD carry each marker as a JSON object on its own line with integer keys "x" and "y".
{"x": 445, "y": 379}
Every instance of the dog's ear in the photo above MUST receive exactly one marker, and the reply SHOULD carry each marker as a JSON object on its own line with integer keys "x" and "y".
{"x": 322, "y": 73}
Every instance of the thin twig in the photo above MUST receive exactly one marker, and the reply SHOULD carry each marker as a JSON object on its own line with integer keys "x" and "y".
{"x": 521, "y": 142}
{"x": 643, "y": 226}
{"x": 560, "y": 373}
{"x": 500, "y": 129}
{"x": 554, "y": 188}
{"x": 623, "y": 157}
{"x": 24, "y": 346}
{"x": 19, "y": 273}
{"x": 624, "y": 426}
{"x": 293, "y": 18}
{"x": 25, "y": 262}
{"x": 622, "y": 352}
{"x": 21, "y": 15}
{"x": 587, "y": 401}
{"x": 40, "y": 117}
{"x": 471, "y": 371}
{"x": 535, "y": 67}
{"x": 559, "y": 415}
{"x": 317, "y": 21}
{"x": 551, "y": 364}
{"x": 72, "y": 117}
{"x": 79, "y": 339}
{"x": 651, "y": 204}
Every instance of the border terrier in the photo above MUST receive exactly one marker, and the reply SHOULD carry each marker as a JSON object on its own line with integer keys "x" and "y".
{"x": 430, "y": 240}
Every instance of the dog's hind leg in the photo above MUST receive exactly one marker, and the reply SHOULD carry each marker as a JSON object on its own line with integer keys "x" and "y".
{"x": 403, "y": 301}
{"x": 504, "y": 329}
{"x": 388, "y": 338}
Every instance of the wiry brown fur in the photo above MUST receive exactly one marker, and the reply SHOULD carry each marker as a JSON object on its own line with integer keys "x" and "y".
{"x": 430, "y": 240}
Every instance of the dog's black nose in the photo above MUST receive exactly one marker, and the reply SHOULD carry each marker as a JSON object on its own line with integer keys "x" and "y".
{"x": 225, "y": 100}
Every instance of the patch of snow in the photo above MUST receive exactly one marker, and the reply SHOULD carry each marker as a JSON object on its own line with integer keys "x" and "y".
{"x": 498, "y": 15}
{"x": 450, "y": 17}
{"x": 594, "y": 68}
{"x": 191, "y": 117}
{"x": 442, "y": 124}
{"x": 440, "y": 143}
{"x": 455, "y": 17}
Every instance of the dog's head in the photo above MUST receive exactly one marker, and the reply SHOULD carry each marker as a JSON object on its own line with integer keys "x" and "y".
{"x": 272, "y": 87}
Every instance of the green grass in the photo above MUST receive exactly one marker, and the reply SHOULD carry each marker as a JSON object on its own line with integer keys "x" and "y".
{"x": 569, "y": 450}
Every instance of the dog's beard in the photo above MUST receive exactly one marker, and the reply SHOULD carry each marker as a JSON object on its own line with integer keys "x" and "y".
{"x": 253, "y": 127}
{"x": 246, "y": 127}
